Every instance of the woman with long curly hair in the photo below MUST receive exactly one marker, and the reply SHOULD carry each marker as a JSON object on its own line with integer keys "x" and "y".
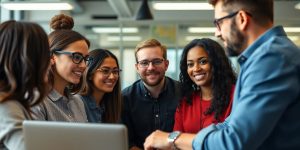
{"x": 208, "y": 84}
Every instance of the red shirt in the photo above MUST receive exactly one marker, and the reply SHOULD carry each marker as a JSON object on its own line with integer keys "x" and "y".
{"x": 191, "y": 118}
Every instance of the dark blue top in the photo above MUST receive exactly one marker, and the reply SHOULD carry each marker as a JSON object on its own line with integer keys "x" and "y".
{"x": 94, "y": 113}
{"x": 143, "y": 114}
{"x": 266, "y": 105}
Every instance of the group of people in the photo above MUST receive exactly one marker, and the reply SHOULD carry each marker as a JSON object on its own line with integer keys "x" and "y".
{"x": 57, "y": 78}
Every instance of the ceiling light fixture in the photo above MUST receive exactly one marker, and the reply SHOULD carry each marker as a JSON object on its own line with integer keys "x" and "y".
{"x": 114, "y": 30}
{"x": 190, "y": 38}
{"x": 292, "y": 29}
{"x": 181, "y": 6}
{"x": 297, "y": 6}
{"x": 201, "y": 29}
{"x": 36, "y": 5}
{"x": 294, "y": 38}
{"x": 124, "y": 38}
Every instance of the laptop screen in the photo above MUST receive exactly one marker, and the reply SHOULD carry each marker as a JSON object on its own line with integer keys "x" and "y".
{"x": 49, "y": 135}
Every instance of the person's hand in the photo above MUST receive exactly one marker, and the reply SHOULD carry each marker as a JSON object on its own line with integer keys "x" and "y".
{"x": 157, "y": 140}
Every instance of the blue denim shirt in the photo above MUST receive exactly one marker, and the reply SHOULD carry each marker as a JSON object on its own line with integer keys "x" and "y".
{"x": 94, "y": 113}
{"x": 266, "y": 106}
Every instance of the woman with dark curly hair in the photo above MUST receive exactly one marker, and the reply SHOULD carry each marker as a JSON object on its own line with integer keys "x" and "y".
{"x": 208, "y": 84}
{"x": 24, "y": 61}
{"x": 69, "y": 58}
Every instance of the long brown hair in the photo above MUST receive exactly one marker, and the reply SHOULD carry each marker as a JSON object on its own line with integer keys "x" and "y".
{"x": 112, "y": 100}
{"x": 60, "y": 38}
{"x": 24, "y": 61}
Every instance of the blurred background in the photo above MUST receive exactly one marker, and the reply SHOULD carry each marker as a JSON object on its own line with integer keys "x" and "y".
{"x": 118, "y": 25}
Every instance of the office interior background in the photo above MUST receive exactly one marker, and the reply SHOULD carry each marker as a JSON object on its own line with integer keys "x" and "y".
{"x": 113, "y": 25}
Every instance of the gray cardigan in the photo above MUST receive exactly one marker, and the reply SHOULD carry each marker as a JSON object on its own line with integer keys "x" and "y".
{"x": 12, "y": 114}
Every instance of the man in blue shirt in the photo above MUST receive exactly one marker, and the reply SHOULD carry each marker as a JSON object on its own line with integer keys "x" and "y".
{"x": 267, "y": 96}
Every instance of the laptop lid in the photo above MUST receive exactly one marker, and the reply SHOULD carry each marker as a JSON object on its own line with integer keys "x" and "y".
{"x": 49, "y": 135}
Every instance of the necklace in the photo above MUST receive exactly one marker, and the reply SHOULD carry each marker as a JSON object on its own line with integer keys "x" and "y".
{"x": 203, "y": 117}
{"x": 201, "y": 120}
{"x": 201, "y": 112}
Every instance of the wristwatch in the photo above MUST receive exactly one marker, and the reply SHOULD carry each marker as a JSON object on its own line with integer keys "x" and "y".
{"x": 172, "y": 137}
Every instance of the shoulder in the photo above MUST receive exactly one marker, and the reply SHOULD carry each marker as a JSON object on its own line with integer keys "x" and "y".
{"x": 132, "y": 88}
{"x": 11, "y": 108}
{"x": 172, "y": 82}
{"x": 174, "y": 86}
{"x": 78, "y": 99}
{"x": 12, "y": 111}
{"x": 280, "y": 48}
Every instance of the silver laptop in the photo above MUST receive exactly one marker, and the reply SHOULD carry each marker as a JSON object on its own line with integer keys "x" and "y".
{"x": 49, "y": 135}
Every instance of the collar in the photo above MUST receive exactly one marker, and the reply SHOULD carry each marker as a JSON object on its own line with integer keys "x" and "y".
{"x": 145, "y": 91}
{"x": 274, "y": 31}
{"x": 90, "y": 101}
{"x": 55, "y": 96}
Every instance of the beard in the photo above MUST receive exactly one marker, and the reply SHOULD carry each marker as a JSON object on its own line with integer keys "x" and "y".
{"x": 155, "y": 82}
{"x": 236, "y": 42}
{"x": 231, "y": 52}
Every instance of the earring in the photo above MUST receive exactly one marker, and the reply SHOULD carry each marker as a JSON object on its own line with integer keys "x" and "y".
{"x": 194, "y": 86}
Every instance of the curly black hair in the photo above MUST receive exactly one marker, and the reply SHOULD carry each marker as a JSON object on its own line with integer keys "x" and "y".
{"x": 223, "y": 76}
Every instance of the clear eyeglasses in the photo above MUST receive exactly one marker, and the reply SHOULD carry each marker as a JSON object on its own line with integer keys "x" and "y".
{"x": 154, "y": 62}
{"x": 107, "y": 72}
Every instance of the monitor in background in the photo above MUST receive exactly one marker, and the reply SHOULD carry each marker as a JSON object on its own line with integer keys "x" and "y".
{"x": 49, "y": 135}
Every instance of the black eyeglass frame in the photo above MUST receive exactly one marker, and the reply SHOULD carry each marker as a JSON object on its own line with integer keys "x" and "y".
{"x": 87, "y": 58}
{"x": 230, "y": 15}
{"x": 216, "y": 21}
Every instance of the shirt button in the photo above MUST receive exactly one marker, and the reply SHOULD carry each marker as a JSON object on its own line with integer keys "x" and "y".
{"x": 156, "y": 116}
{"x": 242, "y": 59}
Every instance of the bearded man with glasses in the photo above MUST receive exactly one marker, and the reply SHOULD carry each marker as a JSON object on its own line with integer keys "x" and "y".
{"x": 150, "y": 102}
{"x": 266, "y": 102}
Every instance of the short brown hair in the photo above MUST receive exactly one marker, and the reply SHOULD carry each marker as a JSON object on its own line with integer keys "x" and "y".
{"x": 151, "y": 43}
{"x": 262, "y": 11}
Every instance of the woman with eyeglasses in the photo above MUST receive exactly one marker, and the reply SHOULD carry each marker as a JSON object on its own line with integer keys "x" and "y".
{"x": 69, "y": 58}
{"x": 24, "y": 61}
{"x": 102, "y": 90}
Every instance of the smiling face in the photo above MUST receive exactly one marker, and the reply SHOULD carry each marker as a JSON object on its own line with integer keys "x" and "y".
{"x": 154, "y": 73}
{"x": 66, "y": 70}
{"x": 106, "y": 76}
{"x": 198, "y": 66}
